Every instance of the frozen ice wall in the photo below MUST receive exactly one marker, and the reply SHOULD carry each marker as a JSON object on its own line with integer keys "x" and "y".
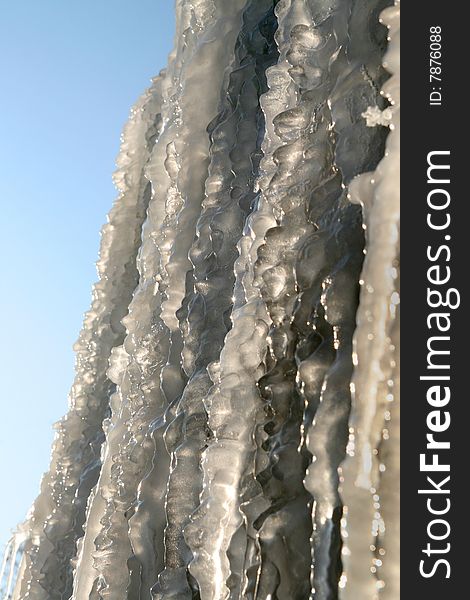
{"x": 233, "y": 425}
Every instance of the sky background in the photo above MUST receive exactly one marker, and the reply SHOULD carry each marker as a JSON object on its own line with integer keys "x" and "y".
{"x": 69, "y": 73}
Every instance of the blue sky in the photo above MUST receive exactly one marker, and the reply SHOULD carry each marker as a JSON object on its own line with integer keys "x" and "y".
{"x": 70, "y": 72}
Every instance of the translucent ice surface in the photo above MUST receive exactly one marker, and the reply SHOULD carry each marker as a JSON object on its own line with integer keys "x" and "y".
{"x": 233, "y": 427}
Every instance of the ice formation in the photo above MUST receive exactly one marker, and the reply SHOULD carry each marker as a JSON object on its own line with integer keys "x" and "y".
{"x": 233, "y": 427}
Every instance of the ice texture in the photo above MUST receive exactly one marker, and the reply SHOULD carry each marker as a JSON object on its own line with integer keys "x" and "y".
{"x": 233, "y": 428}
{"x": 371, "y": 489}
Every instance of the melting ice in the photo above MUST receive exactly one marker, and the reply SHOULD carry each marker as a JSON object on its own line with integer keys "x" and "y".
{"x": 233, "y": 430}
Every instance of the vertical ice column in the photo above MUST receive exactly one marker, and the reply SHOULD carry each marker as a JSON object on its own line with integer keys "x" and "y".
{"x": 370, "y": 471}
{"x": 216, "y": 535}
{"x": 302, "y": 161}
{"x": 346, "y": 60}
{"x": 204, "y": 316}
{"x": 12, "y": 563}
{"x": 134, "y": 435}
{"x": 330, "y": 56}
{"x": 58, "y": 514}
{"x": 209, "y": 415}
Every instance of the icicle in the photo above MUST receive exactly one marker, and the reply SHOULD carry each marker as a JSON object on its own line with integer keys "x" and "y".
{"x": 316, "y": 247}
{"x": 209, "y": 415}
{"x": 57, "y": 517}
{"x": 285, "y": 524}
{"x": 140, "y": 406}
{"x": 203, "y": 316}
{"x": 12, "y": 564}
{"x": 372, "y": 517}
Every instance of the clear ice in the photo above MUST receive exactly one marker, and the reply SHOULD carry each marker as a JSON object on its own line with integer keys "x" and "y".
{"x": 233, "y": 426}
